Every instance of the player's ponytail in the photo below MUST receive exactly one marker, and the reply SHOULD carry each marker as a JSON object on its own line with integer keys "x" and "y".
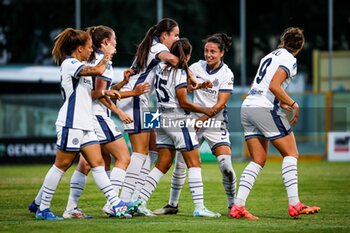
{"x": 182, "y": 48}
{"x": 67, "y": 42}
{"x": 164, "y": 25}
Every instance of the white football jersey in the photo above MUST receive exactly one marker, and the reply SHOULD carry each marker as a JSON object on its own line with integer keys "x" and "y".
{"x": 136, "y": 106}
{"x": 76, "y": 90}
{"x": 97, "y": 107}
{"x": 260, "y": 94}
{"x": 166, "y": 82}
{"x": 144, "y": 75}
{"x": 222, "y": 79}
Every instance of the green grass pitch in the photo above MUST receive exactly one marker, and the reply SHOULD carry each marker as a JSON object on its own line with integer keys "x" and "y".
{"x": 320, "y": 183}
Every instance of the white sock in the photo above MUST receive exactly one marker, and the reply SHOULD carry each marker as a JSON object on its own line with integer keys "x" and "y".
{"x": 102, "y": 181}
{"x": 196, "y": 186}
{"x": 228, "y": 177}
{"x": 51, "y": 182}
{"x": 132, "y": 175}
{"x": 146, "y": 168}
{"x": 117, "y": 178}
{"x": 177, "y": 180}
{"x": 290, "y": 178}
{"x": 77, "y": 184}
{"x": 150, "y": 184}
{"x": 37, "y": 199}
{"x": 246, "y": 182}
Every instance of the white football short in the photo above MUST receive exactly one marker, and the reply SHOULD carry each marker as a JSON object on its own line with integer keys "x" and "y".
{"x": 215, "y": 136}
{"x": 105, "y": 129}
{"x": 177, "y": 137}
{"x": 270, "y": 123}
{"x": 69, "y": 139}
{"x": 135, "y": 108}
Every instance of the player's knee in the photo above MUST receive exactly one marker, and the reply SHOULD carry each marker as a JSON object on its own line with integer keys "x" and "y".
{"x": 124, "y": 161}
{"x": 163, "y": 167}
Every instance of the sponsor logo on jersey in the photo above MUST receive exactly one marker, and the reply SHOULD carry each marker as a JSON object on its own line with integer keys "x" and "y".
{"x": 209, "y": 91}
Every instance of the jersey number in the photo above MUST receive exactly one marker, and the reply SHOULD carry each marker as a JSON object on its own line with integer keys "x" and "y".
{"x": 262, "y": 70}
{"x": 160, "y": 88}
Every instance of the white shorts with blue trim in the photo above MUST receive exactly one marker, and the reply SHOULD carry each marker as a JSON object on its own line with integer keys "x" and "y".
{"x": 105, "y": 129}
{"x": 178, "y": 138}
{"x": 135, "y": 108}
{"x": 215, "y": 136}
{"x": 69, "y": 139}
{"x": 270, "y": 123}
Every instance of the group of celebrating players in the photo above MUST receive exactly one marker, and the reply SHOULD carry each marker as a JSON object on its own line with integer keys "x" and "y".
{"x": 84, "y": 126}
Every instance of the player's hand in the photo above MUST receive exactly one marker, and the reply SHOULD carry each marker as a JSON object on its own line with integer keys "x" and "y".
{"x": 108, "y": 49}
{"x": 207, "y": 84}
{"x": 124, "y": 117}
{"x": 295, "y": 110}
{"x": 127, "y": 74}
{"x": 142, "y": 88}
{"x": 286, "y": 107}
{"x": 210, "y": 112}
{"x": 114, "y": 94}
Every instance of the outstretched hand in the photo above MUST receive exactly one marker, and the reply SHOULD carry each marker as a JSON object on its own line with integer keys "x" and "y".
{"x": 142, "y": 88}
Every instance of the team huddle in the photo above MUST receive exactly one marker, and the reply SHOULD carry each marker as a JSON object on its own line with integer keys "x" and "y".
{"x": 84, "y": 125}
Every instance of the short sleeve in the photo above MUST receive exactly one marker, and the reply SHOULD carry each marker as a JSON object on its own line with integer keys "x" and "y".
{"x": 180, "y": 79}
{"x": 227, "y": 84}
{"x": 156, "y": 49}
{"x": 72, "y": 67}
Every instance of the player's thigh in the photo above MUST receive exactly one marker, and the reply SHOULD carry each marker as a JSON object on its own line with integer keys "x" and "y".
{"x": 286, "y": 145}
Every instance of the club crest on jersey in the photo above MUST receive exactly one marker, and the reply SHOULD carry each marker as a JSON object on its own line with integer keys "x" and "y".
{"x": 216, "y": 82}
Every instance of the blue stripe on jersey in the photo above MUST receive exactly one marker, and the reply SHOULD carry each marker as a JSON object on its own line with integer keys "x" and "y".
{"x": 71, "y": 104}
{"x": 136, "y": 102}
{"x": 286, "y": 69}
{"x": 78, "y": 70}
{"x": 64, "y": 139}
{"x": 108, "y": 133}
{"x": 181, "y": 85}
{"x": 215, "y": 70}
{"x": 187, "y": 137}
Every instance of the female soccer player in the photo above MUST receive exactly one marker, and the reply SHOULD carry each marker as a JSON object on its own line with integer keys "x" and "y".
{"x": 110, "y": 138}
{"x": 74, "y": 123}
{"x": 153, "y": 49}
{"x": 219, "y": 74}
{"x": 177, "y": 135}
{"x": 263, "y": 121}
